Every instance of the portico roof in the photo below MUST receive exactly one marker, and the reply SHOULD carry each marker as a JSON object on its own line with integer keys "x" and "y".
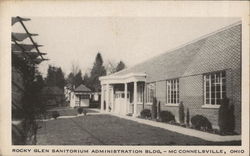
{"x": 126, "y": 78}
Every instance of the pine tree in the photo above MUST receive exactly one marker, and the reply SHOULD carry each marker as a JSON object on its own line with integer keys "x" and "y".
{"x": 55, "y": 77}
{"x": 120, "y": 66}
{"x": 86, "y": 80}
{"x": 181, "y": 112}
{"x": 78, "y": 79}
{"x": 188, "y": 117}
{"x": 97, "y": 71}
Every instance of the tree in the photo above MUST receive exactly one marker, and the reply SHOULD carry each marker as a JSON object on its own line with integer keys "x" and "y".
{"x": 226, "y": 117}
{"x": 60, "y": 81}
{"x": 181, "y": 113}
{"x": 70, "y": 78}
{"x": 154, "y": 108}
{"x": 55, "y": 77}
{"x": 110, "y": 67}
{"x": 74, "y": 68}
{"x": 97, "y": 71}
{"x": 86, "y": 80}
{"x": 78, "y": 79}
{"x": 51, "y": 79}
{"x": 188, "y": 117}
{"x": 120, "y": 66}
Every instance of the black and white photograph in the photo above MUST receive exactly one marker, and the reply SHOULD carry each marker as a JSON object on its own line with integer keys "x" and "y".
{"x": 127, "y": 81}
{"x": 189, "y": 95}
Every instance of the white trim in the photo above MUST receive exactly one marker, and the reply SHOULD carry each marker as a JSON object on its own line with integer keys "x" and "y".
{"x": 215, "y": 84}
{"x": 172, "y": 104}
{"x": 210, "y": 106}
{"x": 131, "y": 77}
{"x": 210, "y": 86}
{"x": 149, "y": 103}
{"x": 173, "y": 85}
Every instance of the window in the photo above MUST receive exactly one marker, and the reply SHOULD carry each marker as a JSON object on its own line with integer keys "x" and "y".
{"x": 214, "y": 88}
{"x": 84, "y": 96}
{"x": 173, "y": 91}
{"x": 140, "y": 93}
{"x": 150, "y": 92}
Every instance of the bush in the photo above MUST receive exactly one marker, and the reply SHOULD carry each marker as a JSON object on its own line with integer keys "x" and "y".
{"x": 158, "y": 110}
{"x": 166, "y": 116}
{"x": 55, "y": 114}
{"x": 104, "y": 105}
{"x": 154, "y": 108}
{"x": 181, "y": 113}
{"x": 187, "y": 117}
{"x": 80, "y": 110}
{"x": 226, "y": 117}
{"x": 145, "y": 113}
{"x": 85, "y": 112}
{"x": 201, "y": 123}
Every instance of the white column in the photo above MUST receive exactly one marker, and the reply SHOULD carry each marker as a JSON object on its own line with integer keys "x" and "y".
{"x": 107, "y": 98}
{"x": 126, "y": 96}
{"x": 102, "y": 98}
{"x": 112, "y": 99}
{"x": 135, "y": 99}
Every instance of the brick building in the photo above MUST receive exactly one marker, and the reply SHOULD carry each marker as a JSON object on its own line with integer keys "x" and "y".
{"x": 200, "y": 74}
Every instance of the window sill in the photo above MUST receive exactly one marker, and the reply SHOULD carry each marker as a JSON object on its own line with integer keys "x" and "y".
{"x": 172, "y": 104}
{"x": 211, "y": 106}
{"x": 149, "y": 103}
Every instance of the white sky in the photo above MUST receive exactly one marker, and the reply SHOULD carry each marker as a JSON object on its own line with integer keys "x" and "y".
{"x": 131, "y": 40}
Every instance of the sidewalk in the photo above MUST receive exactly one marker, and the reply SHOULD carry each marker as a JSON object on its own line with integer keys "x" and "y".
{"x": 182, "y": 130}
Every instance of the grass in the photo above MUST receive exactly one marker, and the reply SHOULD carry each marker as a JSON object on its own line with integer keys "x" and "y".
{"x": 110, "y": 130}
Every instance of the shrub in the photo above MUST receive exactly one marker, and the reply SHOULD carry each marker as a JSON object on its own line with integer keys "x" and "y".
{"x": 80, "y": 110}
{"x": 55, "y": 114}
{"x": 158, "y": 110}
{"x": 181, "y": 112}
{"x": 201, "y": 123}
{"x": 85, "y": 112}
{"x": 226, "y": 117}
{"x": 166, "y": 116}
{"x": 145, "y": 113}
{"x": 154, "y": 108}
{"x": 187, "y": 117}
{"x": 104, "y": 105}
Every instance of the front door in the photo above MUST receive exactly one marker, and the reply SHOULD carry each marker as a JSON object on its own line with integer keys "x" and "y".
{"x": 120, "y": 105}
{"x": 84, "y": 100}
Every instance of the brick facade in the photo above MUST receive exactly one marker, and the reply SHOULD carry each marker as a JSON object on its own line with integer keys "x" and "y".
{"x": 216, "y": 52}
{"x": 224, "y": 55}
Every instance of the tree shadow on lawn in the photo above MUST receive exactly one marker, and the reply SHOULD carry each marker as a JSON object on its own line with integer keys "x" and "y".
{"x": 111, "y": 130}
{"x": 70, "y": 111}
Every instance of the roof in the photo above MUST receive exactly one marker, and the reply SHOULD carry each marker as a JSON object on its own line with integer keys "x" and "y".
{"x": 52, "y": 90}
{"x": 192, "y": 58}
{"x": 82, "y": 88}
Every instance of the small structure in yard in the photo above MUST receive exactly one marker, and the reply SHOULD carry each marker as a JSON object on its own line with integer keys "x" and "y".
{"x": 80, "y": 96}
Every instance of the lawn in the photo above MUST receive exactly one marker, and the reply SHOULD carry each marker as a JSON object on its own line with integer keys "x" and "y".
{"x": 110, "y": 130}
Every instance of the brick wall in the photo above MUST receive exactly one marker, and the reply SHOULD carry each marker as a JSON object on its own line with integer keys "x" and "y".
{"x": 191, "y": 93}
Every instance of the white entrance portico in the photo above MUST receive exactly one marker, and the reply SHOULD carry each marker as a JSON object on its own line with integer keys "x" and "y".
{"x": 119, "y": 93}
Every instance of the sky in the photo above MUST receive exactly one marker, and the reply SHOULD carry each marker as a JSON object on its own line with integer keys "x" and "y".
{"x": 77, "y": 40}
